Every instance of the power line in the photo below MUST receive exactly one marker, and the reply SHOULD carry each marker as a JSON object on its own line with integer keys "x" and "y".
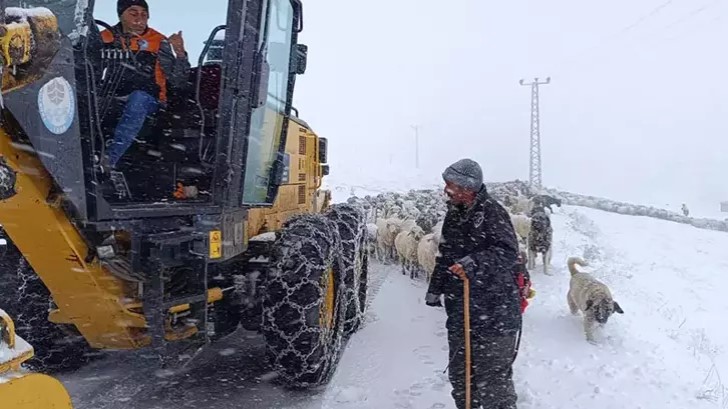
{"x": 691, "y": 15}
{"x": 647, "y": 16}
{"x": 607, "y": 39}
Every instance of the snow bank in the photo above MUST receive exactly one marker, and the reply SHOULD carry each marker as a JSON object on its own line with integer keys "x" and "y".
{"x": 637, "y": 210}
{"x": 520, "y": 188}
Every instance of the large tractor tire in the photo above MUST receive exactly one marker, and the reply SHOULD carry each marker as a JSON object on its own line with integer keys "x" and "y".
{"x": 304, "y": 301}
{"x": 27, "y": 300}
{"x": 351, "y": 222}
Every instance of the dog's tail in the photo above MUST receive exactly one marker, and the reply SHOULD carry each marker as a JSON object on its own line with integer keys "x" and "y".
{"x": 573, "y": 262}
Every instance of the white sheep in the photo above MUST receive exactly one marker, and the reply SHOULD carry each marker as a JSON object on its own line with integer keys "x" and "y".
{"x": 427, "y": 250}
{"x": 387, "y": 230}
{"x": 372, "y": 237}
{"x": 521, "y": 205}
{"x": 522, "y": 226}
{"x": 406, "y": 244}
{"x": 427, "y": 254}
{"x": 405, "y": 225}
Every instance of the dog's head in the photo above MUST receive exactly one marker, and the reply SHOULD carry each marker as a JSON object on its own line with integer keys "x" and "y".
{"x": 602, "y": 309}
{"x": 540, "y": 220}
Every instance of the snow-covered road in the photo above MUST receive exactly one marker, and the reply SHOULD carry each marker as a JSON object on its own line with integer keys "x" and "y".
{"x": 666, "y": 351}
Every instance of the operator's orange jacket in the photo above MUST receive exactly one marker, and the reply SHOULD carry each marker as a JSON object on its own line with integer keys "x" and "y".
{"x": 155, "y": 64}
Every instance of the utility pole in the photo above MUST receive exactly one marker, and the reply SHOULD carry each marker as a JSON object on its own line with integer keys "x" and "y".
{"x": 417, "y": 145}
{"x": 534, "y": 173}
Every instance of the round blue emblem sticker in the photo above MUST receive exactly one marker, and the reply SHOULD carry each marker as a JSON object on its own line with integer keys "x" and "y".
{"x": 57, "y": 105}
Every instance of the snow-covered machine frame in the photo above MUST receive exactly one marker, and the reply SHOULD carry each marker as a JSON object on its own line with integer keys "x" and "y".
{"x": 87, "y": 268}
{"x": 19, "y": 388}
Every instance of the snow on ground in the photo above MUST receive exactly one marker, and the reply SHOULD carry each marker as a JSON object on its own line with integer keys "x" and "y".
{"x": 398, "y": 359}
{"x": 666, "y": 351}
{"x": 660, "y": 354}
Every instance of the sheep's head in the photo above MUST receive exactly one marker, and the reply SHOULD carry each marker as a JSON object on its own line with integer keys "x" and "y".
{"x": 417, "y": 233}
{"x": 392, "y": 227}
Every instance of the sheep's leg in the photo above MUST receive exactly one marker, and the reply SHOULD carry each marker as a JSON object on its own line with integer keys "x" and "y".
{"x": 550, "y": 254}
{"x": 531, "y": 259}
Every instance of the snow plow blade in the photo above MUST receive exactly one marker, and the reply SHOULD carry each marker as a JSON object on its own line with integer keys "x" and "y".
{"x": 20, "y": 389}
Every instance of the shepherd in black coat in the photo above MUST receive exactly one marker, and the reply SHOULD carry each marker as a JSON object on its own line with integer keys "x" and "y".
{"x": 478, "y": 242}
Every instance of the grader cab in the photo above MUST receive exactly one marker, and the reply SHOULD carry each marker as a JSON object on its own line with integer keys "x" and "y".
{"x": 214, "y": 220}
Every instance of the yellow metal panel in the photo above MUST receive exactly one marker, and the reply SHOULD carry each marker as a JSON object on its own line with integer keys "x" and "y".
{"x": 33, "y": 391}
{"x": 287, "y": 203}
{"x": 85, "y": 293}
{"x": 215, "y": 244}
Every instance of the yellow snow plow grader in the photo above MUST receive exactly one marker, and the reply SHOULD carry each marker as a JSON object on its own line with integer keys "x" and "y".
{"x": 18, "y": 389}
{"x": 213, "y": 220}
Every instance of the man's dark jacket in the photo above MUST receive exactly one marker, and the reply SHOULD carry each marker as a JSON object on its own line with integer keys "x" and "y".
{"x": 482, "y": 239}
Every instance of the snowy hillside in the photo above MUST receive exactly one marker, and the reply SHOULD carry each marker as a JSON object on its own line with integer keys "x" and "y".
{"x": 666, "y": 351}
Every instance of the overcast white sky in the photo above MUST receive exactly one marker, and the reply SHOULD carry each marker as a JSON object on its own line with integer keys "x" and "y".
{"x": 635, "y": 110}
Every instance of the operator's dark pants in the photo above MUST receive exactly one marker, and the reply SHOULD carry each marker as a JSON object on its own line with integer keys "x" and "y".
{"x": 492, "y": 358}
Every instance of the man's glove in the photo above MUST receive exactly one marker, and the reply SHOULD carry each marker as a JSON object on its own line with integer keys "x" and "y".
{"x": 433, "y": 300}
{"x": 464, "y": 269}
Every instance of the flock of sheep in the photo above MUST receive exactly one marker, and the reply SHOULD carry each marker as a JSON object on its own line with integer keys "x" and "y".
{"x": 406, "y": 228}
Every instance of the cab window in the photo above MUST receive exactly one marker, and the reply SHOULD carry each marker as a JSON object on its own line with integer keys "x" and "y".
{"x": 267, "y": 121}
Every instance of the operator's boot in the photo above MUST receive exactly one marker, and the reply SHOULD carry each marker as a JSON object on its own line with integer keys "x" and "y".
{"x": 121, "y": 188}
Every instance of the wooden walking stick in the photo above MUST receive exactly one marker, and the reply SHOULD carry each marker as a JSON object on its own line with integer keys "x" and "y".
{"x": 466, "y": 319}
